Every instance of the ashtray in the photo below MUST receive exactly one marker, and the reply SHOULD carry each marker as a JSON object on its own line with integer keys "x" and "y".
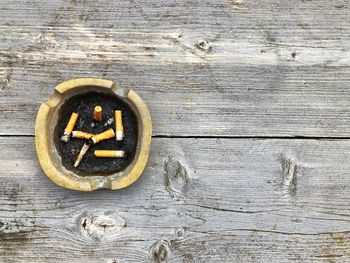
{"x": 91, "y": 134}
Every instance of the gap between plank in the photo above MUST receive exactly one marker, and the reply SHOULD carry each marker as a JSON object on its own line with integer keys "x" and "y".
{"x": 221, "y": 137}
{"x": 253, "y": 137}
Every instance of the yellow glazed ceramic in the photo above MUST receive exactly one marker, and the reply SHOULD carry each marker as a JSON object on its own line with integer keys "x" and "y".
{"x": 48, "y": 156}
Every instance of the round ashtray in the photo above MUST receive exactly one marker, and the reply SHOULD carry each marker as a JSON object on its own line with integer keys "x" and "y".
{"x": 93, "y": 104}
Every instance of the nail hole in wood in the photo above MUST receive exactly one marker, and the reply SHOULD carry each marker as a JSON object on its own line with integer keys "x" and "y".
{"x": 203, "y": 45}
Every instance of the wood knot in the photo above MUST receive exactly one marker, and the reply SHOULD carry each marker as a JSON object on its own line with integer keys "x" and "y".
{"x": 176, "y": 177}
{"x": 6, "y": 71}
{"x": 101, "y": 225}
{"x": 160, "y": 251}
{"x": 289, "y": 175}
{"x": 180, "y": 233}
{"x": 203, "y": 45}
{"x": 17, "y": 227}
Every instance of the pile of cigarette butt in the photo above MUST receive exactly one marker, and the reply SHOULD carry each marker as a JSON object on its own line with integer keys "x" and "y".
{"x": 92, "y": 139}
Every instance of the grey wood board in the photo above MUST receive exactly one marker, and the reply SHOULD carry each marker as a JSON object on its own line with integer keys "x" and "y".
{"x": 205, "y": 68}
{"x": 199, "y": 200}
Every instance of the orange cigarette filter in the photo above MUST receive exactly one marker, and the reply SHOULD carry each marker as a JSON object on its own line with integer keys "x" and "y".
{"x": 108, "y": 153}
{"x": 70, "y": 126}
{"x": 119, "y": 125}
{"x": 103, "y": 136}
{"x": 98, "y": 113}
{"x": 82, "y": 135}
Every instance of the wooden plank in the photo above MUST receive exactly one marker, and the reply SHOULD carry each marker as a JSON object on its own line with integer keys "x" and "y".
{"x": 199, "y": 200}
{"x": 205, "y": 68}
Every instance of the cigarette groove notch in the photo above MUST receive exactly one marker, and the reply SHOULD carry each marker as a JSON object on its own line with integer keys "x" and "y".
{"x": 109, "y": 153}
{"x": 103, "y": 136}
{"x": 70, "y": 126}
{"x": 119, "y": 129}
{"x": 82, "y": 135}
{"x": 97, "y": 113}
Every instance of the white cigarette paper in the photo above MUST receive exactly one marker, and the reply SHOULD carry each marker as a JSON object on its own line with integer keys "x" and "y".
{"x": 83, "y": 151}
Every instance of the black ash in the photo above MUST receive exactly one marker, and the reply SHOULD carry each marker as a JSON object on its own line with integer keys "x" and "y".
{"x": 84, "y": 105}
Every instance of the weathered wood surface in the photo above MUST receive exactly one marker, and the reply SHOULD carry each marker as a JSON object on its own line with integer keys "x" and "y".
{"x": 205, "y": 68}
{"x": 199, "y": 200}
{"x": 226, "y": 68}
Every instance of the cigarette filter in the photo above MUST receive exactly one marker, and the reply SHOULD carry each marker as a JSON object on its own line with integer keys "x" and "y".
{"x": 119, "y": 125}
{"x": 98, "y": 113}
{"x": 103, "y": 136}
{"x": 108, "y": 153}
{"x": 82, "y": 135}
{"x": 70, "y": 126}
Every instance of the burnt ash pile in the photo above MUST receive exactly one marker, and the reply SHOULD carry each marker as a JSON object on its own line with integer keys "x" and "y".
{"x": 84, "y": 105}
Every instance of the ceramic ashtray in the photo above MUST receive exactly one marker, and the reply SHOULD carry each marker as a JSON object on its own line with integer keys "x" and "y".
{"x": 91, "y": 134}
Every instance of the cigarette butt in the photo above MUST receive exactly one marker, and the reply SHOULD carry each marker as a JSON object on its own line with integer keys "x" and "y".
{"x": 98, "y": 113}
{"x": 82, "y": 135}
{"x": 108, "y": 153}
{"x": 70, "y": 126}
{"x": 83, "y": 151}
{"x": 72, "y": 121}
{"x": 119, "y": 125}
{"x": 103, "y": 136}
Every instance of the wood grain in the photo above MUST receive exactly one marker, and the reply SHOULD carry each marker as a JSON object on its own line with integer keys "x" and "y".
{"x": 227, "y": 68}
{"x": 205, "y": 68}
{"x": 199, "y": 200}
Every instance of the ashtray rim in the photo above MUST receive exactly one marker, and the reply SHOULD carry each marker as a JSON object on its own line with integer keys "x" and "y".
{"x": 70, "y": 179}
